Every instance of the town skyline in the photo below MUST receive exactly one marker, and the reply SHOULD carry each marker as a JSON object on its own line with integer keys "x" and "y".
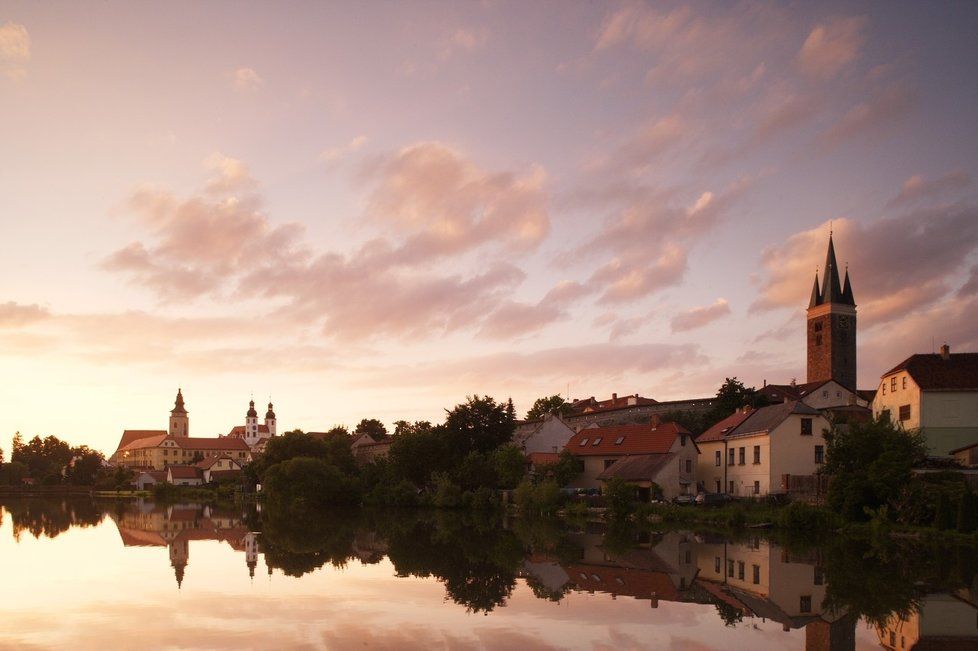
{"x": 629, "y": 199}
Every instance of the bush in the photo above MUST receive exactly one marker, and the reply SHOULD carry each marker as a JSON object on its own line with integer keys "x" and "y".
{"x": 620, "y": 496}
{"x": 538, "y": 499}
{"x": 968, "y": 512}
{"x": 800, "y": 516}
{"x": 447, "y": 494}
{"x": 306, "y": 482}
{"x": 944, "y": 518}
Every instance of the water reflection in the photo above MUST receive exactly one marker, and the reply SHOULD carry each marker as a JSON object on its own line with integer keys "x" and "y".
{"x": 908, "y": 594}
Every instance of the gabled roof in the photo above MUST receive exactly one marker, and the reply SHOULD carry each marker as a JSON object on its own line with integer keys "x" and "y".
{"x": 210, "y": 461}
{"x": 640, "y": 584}
{"x": 238, "y": 431}
{"x": 626, "y": 439}
{"x": 188, "y": 443}
{"x": 718, "y": 430}
{"x": 130, "y": 435}
{"x": 963, "y": 448}
{"x": 934, "y": 373}
{"x": 640, "y": 467}
{"x": 767, "y": 418}
{"x": 184, "y": 472}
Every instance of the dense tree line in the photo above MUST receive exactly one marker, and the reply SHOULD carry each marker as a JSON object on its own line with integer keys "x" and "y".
{"x": 51, "y": 461}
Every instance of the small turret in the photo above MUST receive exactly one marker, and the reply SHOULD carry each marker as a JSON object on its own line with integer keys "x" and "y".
{"x": 179, "y": 419}
{"x": 270, "y": 420}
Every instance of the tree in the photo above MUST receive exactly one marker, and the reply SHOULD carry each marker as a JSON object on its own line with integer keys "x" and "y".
{"x": 333, "y": 447}
{"x": 304, "y": 482}
{"x": 84, "y": 466}
{"x": 871, "y": 464}
{"x": 45, "y": 458}
{"x": 419, "y": 450}
{"x": 550, "y": 405}
{"x": 510, "y": 465}
{"x": 1, "y": 455}
{"x": 968, "y": 511}
{"x": 372, "y": 428}
{"x": 565, "y": 470}
{"x": 480, "y": 424}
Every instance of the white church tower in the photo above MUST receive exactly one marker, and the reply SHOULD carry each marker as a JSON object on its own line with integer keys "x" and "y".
{"x": 270, "y": 420}
{"x": 251, "y": 424}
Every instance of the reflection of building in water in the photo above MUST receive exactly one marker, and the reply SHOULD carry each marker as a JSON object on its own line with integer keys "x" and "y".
{"x": 174, "y": 527}
{"x": 761, "y": 579}
{"x": 943, "y": 621}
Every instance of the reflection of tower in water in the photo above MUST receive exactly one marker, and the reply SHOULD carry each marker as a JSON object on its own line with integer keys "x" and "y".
{"x": 179, "y": 555}
{"x": 251, "y": 552}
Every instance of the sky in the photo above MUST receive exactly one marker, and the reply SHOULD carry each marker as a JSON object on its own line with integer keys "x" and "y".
{"x": 373, "y": 209}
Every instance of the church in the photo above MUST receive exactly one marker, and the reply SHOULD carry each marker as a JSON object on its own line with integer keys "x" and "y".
{"x": 831, "y": 346}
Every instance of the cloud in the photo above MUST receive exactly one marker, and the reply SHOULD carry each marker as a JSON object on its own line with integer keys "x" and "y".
{"x": 831, "y": 46}
{"x": 230, "y": 175}
{"x": 15, "y": 50}
{"x": 699, "y": 317}
{"x": 916, "y": 188}
{"x": 15, "y": 315}
{"x": 463, "y": 40}
{"x": 884, "y": 108}
{"x": 648, "y": 240}
{"x": 446, "y": 205}
{"x": 334, "y": 154}
{"x": 246, "y": 80}
{"x": 513, "y": 319}
{"x": 909, "y": 266}
{"x": 970, "y": 287}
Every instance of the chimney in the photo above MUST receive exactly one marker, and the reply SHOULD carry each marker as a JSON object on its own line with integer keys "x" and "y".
{"x": 654, "y": 600}
{"x": 765, "y": 382}
{"x": 945, "y": 352}
{"x": 656, "y": 420}
{"x": 614, "y": 399}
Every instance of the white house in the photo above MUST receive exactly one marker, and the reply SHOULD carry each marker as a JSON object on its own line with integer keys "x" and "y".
{"x": 937, "y": 394}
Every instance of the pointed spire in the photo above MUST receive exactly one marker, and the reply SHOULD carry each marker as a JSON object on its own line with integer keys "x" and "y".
{"x": 178, "y": 407}
{"x": 831, "y": 287}
{"x": 847, "y": 297}
{"x": 816, "y": 295}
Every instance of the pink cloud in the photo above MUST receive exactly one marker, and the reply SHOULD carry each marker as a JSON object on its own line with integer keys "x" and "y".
{"x": 884, "y": 108}
{"x": 699, "y": 317}
{"x": 513, "y": 319}
{"x": 917, "y": 188}
{"x": 15, "y": 50}
{"x": 831, "y": 46}
{"x": 15, "y": 315}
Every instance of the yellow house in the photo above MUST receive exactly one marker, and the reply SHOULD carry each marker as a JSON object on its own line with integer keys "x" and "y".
{"x": 769, "y": 445}
{"x": 937, "y": 394}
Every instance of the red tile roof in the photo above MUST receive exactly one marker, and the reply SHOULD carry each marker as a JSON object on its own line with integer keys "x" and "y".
{"x": 188, "y": 443}
{"x": 184, "y": 472}
{"x": 238, "y": 431}
{"x": 639, "y": 467}
{"x": 626, "y": 439}
{"x": 589, "y": 405}
{"x": 542, "y": 458}
{"x": 934, "y": 373}
{"x": 716, "y": 432}
{"x": 210, "y": 461}
{"x": 640, "y": 584}
{"x": 130, "y": 435}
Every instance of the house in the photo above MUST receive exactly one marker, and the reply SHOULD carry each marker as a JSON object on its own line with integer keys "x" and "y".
{"x": 219, "y": 468}
{"x": 252, "y": 432}
{"x": 146, "y": 479}
{"x": 711, "y": 465}
{"x": 822, "y": 394}
{"x": 366, "y": 449}
{"x": 943, "y": 620}
{"x": 181, "y": 475}
{"x": 547, "y": 435}
{"x": 769, "y": 446}
{"x": 663, "y": 454}
{"x": 967, "y": 456}
{"x": 937, "y": 394}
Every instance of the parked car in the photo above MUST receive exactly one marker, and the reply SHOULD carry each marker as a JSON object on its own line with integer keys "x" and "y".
{"x": 684, "y": 499}
{"x": 712, "y": 499}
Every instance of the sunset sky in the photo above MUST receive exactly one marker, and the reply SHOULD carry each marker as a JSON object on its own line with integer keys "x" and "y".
{"x": 372, "y": 209}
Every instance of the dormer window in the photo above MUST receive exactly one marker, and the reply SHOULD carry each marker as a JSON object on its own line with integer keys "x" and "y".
{"x": 583, "y": 442}
{"x": 619, "y": 440}
{"x": 596, "y": 442}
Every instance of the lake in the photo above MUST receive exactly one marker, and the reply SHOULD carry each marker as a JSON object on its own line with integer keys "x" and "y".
{"x": 84, "y": 574}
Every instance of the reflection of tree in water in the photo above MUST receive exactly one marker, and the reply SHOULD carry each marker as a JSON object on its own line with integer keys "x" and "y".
{"x": 50, "y": 517}
{"x": 303, "y": 540}
{"x": 470, "y": 553}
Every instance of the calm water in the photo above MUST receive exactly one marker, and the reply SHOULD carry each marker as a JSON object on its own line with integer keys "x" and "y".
{"x": 136, "y": 575}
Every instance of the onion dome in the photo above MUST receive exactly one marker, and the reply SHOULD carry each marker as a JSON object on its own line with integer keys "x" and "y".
{"x": 251, "y": 412}
{"x": 270, "y": 414}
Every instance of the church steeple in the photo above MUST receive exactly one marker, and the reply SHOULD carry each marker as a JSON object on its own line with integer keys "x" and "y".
{"x": 832, "y": 326}
{"x": 179, "y": 419}
{"x": 847, "y": 297}
{"x": 831, "y": 287}
{"x": 178, "y": 407}
{"x": 816, "y": 295}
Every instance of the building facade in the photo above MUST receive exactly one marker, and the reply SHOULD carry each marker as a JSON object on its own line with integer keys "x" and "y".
{"x": 831, "y": 330}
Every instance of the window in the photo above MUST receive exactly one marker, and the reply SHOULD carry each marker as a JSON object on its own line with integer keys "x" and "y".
{"x": 904, "y": 412}
{"x": 904, "y": 381}
{"x": 740, "y": 570}
{"x": 757, "y": 574}
{"x": 583, "y": 442}
{"x": 806, "y": 426}
{"x": 682, "y": 439}
{"x": 719, "y": 488}
{"x": 806, "y": 604}
{"x": 597, "y": 440}
{"x": 883, "y": 386}
{"x": 819, "y": 454}
{"x": 757, "y": 487}
{"x": 716, "y": 564}
{"x": 731, "y": 491}
{"x": 885, "y": 415}
{"x": 719, "y": 457}
{"x": 732, "y": 454}
{"x": 743, "y": 456}
{"x": 757, "y": 454}
{"x": 818, "y": 340}
{"x": 730, "y": 569}
{"x": 825, "y": 393}
{"x": 893, "y": 381}
{"x": 689, "y": 465}
{"x": 619, "y": 440}
{"x": 819, "y": 578}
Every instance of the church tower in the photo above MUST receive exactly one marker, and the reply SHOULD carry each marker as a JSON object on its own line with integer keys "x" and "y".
{"x": 832, "y": 327}
{"x": 179, "y": 420}
{"x": 251, "y": 424}
{"x": 270, "y": 420}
